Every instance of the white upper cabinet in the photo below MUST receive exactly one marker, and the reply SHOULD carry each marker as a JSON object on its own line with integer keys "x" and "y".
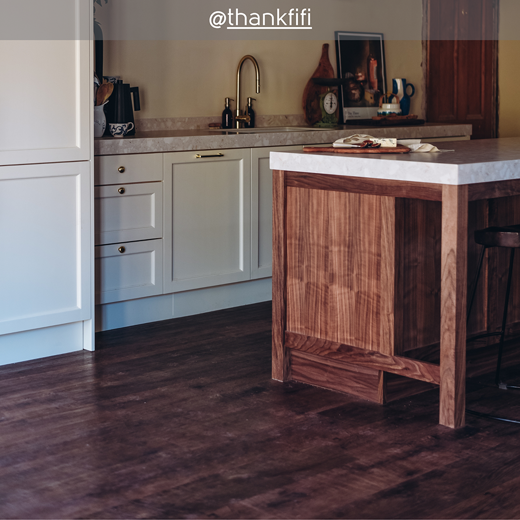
{"x": 46, "y": 87}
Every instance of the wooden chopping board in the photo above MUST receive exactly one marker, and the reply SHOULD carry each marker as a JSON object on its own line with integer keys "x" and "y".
{"x": 330, "y": 149}
{"x": 311, "y": 93}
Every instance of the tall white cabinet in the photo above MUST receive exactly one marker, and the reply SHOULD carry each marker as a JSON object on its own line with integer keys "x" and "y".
{"x": 46, "y": 168}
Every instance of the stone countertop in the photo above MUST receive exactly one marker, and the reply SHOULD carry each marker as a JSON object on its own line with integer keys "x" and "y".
{"x": 183, "y": 140}
{"x": 471, "y": 162}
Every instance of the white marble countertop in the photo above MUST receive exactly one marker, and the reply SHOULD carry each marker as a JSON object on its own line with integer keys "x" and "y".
{"x": 471, "y": 162}
{"x": 183, "y": 140}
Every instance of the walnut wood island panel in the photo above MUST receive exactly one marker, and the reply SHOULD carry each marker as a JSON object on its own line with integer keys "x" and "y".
{"x": 372, "y": 257}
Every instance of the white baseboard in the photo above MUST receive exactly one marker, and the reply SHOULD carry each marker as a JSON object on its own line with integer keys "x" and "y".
{"x": 39, "y": 343}
{"x": 157, "y": 308}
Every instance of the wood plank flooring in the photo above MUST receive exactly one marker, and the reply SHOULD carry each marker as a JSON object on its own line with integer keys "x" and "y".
{"x": 180, "y": 419}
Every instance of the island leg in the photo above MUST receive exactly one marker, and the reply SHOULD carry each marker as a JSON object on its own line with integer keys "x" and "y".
{"x": 280, "y": 363}
{"x": 454, "y": 259}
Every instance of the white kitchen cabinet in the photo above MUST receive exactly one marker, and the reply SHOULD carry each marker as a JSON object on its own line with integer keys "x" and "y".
{"x": 125, "y": 169}
{"x": 45, "y": 215}
{"x": 128, "y": 212}
{"x": 262, "y": 210}
{"x": 207, "y": 218}
{"x": 46, "y": 174}
{"x": 130, "y": 270}
{"x": 47, "y": 84}
{"x": 128, "y": 216}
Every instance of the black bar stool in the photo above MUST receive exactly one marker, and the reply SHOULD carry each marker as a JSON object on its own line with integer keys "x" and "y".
{"x": 506, "y": 236}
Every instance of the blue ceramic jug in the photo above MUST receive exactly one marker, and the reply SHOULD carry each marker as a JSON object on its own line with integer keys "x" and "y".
{"x": 399, "y": 87}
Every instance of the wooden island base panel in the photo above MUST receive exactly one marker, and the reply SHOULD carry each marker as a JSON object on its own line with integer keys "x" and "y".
{"x": 371, "y": 268}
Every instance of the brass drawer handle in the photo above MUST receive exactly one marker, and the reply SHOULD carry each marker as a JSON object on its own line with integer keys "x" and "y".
{"x": 121, "y": 169}
{"x": 199, "y": 156}
{"x": 121, "y": 190}
{"x": 121, "y": 249}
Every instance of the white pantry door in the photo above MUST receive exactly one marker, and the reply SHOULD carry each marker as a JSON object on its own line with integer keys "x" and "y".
{"x": 46, "y": 194}
{"x": 46, "y": 83}
{"x": 45, "y": 259}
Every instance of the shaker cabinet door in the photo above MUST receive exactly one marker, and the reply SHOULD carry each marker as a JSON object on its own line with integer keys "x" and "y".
{"x": 46, "y": 90}
{"x": 45, "y": 264}
{"x": 206, "y": 218}
{"x": 128, "y": 212}
{"x": 126, "y": 271}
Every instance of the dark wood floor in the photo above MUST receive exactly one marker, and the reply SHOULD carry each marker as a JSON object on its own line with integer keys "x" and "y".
{"x": 179, "y": 419}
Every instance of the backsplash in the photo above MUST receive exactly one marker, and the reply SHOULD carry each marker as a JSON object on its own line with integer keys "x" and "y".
{"x": 202, "y": 123}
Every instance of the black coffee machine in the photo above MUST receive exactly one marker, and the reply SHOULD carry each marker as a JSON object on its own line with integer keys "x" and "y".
{"x": 119, "y": 106}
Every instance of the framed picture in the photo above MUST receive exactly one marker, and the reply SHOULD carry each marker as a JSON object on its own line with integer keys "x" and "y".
{"x": 361, "y": 65}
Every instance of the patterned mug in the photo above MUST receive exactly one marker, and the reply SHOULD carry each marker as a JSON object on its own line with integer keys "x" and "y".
{"x": 120, "y": 129}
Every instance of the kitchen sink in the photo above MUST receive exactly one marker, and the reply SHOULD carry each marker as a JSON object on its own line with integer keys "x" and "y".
{"x": 268, "y": 129}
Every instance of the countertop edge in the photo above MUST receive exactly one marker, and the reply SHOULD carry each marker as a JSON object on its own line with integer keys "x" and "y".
{"x": 471, "y": 163}
{"x": 204, "y": 140}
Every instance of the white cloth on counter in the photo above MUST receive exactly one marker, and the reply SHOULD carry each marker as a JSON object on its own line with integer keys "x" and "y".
{"x": 415, "y": 145}
{"x": 422, "y": 147}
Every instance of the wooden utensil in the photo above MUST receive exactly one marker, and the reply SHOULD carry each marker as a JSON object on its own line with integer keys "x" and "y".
{"x": 103, "y": 93}
{"x": 312, "y": 92}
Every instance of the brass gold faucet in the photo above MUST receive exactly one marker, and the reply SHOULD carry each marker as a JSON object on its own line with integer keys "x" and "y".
{"x": 239, "y": 117}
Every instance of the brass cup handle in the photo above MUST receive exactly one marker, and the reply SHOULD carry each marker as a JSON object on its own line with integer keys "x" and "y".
{"x": 199, "y": 156}
{"x": 121, "y": 249}
{"x": 121, "y": 190}
{"x": 121, "y": 169}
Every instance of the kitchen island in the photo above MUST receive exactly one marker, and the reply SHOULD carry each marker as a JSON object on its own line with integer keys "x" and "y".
{"x": 370, "y": 265}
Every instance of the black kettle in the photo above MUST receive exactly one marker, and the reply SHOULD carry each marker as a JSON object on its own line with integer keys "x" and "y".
{"x": 119, "y": 106}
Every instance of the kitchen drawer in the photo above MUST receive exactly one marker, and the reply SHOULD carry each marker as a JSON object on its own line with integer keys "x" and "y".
{"x": 127, "y": 271}
{"x": 128, "y": 212}
{"x": 116, "y": 169}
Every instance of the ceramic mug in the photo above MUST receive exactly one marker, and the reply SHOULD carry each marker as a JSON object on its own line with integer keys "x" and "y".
{"x": 120, "y": 129}
{"x": 386, "y": 109}
{"x": 400, "y": 87}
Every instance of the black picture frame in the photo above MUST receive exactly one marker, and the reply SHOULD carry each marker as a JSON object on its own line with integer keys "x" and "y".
{"x": 360, "y": 58}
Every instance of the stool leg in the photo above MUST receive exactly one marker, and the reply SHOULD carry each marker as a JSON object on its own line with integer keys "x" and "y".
{"x": 475, "y": 282}
{"x": 504, "y": 319}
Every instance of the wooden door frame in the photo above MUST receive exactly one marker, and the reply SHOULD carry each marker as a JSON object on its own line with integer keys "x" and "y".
{"x": 425, "y": 63}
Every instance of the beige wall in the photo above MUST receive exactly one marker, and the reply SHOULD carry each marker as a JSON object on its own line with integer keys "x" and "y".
{"x": 192, "y": 78}
{"x": 508, "y": 85}
{"x": 509, "y": 70}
